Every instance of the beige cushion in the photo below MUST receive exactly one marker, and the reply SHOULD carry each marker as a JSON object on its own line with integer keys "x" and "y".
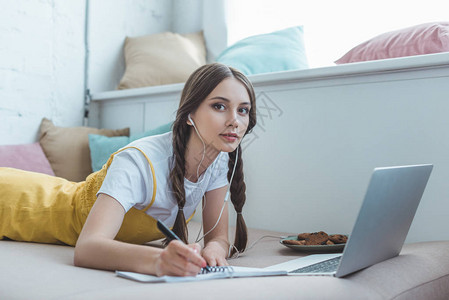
{"x": 162, "y": 58}
{"x": 67, "y": 148}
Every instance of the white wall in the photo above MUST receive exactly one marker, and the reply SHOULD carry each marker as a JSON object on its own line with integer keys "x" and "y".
{"x": 42, "y": 54}
{"x": 41, "y": 66}
{"x": 187, "y": 15}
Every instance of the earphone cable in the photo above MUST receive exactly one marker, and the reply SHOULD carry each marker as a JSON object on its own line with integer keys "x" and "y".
{"x": 237, "y": 253}
{"x": 205, "y": 200}
{"x": 224, "y": 202}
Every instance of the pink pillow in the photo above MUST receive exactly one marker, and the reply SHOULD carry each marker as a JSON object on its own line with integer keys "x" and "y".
{"x": 416, "y": 40}
{"x": 29, "y": 157}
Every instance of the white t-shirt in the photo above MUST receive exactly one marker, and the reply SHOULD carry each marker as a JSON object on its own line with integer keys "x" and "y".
{"x": 129, "y": 179}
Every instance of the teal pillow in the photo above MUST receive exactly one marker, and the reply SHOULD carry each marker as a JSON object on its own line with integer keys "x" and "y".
{"x": 277, "y": 51}
{"x": 101, "y": 147}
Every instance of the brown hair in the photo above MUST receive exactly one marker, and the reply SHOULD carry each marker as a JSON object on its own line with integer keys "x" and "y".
{"x": 199, "y": 85}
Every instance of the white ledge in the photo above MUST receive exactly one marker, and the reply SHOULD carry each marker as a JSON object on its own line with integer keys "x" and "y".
{"x": 151, "y": 90}
{"x": 400, "y": 64}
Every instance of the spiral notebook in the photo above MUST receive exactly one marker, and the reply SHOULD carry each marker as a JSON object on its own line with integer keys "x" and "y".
{"x": 205, "y": 274}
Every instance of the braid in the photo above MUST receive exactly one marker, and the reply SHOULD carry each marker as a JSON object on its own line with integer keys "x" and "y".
{"x": 177, "y": 179}
{"x": 238, "y": 198}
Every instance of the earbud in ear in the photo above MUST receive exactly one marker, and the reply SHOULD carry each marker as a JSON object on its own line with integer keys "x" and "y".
{"x": 190, "y": 119}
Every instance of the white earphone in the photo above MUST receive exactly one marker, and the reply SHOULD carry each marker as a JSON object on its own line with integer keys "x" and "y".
{"x": 204, "y": 146}
{"x": 191, "y": 121}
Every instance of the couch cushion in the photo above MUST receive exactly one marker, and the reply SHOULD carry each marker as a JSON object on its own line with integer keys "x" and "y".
{"x": 67, "y": 148}
{"x": 101, "y": 147}
{"x": 28, "y": 157}
{"x": 271, "y": 52}
{"x": 162, "y": 58}
{"x": 415, "y": 40}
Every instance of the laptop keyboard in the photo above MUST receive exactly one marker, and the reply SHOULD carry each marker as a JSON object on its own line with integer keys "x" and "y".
{"x": 326, "y": 266}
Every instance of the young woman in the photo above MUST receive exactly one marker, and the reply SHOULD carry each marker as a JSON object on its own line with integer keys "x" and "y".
{"x": 164, "y": 177}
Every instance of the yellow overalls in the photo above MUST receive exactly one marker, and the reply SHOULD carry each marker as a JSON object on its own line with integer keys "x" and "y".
{"x": 41, "y": 208}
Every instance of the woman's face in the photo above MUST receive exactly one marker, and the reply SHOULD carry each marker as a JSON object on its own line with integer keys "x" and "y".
{"x": 223, "y": 117}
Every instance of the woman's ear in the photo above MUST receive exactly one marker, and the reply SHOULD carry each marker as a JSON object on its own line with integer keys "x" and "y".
{"x": 190, "y": 121}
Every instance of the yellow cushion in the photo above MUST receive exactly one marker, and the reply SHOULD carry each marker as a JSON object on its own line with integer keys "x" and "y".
{"x": 67, "y": 148}
{"x": 162, "y": 58}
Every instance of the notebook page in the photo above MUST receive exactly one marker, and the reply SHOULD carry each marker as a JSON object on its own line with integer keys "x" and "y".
{"x": 228, "y": 272}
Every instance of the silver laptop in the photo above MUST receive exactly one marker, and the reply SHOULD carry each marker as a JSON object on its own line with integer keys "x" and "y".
{"x": 381, "y": 227}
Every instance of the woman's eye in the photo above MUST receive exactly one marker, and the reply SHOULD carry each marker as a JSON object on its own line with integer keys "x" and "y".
{"x": 218, "y": 106}
{"x": 244, "y": 110}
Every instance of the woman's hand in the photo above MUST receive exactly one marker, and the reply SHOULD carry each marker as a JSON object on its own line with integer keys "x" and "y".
{"x": 216, "y": 239}
{"x": 179, "y": 259}
{"x": 96, "y": 247}
{"x": 215, "y": 254}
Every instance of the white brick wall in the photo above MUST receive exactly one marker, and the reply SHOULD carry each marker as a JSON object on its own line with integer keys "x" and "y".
{"x": 41, "y": 66}
{"x": 42, "y": 54}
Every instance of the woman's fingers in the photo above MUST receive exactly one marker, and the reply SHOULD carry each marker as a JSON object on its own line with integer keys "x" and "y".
{"x": 216, "y": 261}
{"x": 191, "y": 253}
{"x": 211, "y": 262}
{"x": 179, "y": 259}
{"x": 196, "y": 247}
{"x": 215, "y": 254}
{"x": 222, "y": 262}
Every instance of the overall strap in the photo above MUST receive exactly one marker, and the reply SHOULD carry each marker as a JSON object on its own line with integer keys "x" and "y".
{"x": 152, "y": 172}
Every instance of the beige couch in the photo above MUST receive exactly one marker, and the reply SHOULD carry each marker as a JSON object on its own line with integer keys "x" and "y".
{"x": 36, "y": 271}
